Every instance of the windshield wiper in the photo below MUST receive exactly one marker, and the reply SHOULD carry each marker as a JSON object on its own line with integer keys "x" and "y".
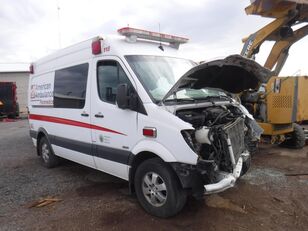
{"x": 210, "y": 98}
{"x": 177, "y": 100}
{"x": 217, "y": 97}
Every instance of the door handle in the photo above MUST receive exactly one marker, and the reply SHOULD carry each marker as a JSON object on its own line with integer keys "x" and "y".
{"x": 99, "y": 115}
{"x": 84, "y": 114}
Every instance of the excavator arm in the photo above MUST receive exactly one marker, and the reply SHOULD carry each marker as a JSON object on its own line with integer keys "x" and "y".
{"x": 286, "y": 13}
{"x": 280, "y": 50}
{"x": 255, "y": 40}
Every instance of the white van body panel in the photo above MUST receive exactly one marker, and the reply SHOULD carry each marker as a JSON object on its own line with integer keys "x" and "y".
{"x": 113, "y": 168}
{"x": 77, "y": 157}
{"x": 111, "y": 133}
{"x": 169, "y": 142}
{"x": 101, "y": 135}
{"x": 123, "y": 123}
{"x": 153, "y": 147}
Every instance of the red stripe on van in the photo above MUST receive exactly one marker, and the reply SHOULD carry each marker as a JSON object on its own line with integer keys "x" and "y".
{"x": 71, "y": 122}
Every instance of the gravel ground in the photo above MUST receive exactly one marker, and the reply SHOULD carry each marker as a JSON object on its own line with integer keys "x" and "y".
{"x": 265, "y": 199}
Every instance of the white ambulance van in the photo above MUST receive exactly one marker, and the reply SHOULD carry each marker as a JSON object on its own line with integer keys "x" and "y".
{"x": 132, "y": 106}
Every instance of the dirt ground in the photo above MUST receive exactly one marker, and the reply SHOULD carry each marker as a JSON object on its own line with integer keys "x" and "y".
{"x": 267, "y": 198}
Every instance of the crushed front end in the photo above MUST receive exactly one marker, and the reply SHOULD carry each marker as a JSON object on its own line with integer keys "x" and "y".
{"x": 223, "y": 138}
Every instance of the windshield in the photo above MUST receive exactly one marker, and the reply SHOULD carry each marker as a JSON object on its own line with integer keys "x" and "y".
{"x": 158, "y": 73}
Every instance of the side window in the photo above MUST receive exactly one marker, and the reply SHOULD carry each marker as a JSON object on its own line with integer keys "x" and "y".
{"x": 109, "y": 75}
{"x": 70, "y": 86}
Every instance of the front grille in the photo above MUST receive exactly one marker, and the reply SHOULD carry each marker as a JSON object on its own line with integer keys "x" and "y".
{"x": 235, "y": 132}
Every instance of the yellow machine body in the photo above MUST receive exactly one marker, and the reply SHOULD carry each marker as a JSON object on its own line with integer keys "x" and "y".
{"x": 286, "y": 100}
{"x": 302, "y": 103}
{"x": 281, "y": 100}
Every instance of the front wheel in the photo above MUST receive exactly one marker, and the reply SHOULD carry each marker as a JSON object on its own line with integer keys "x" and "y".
{"x": 158, "y": 189}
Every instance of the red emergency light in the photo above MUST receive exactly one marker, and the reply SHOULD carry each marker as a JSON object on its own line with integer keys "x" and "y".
{"x": 96, "y": 46}
{"x": 174, "y": 41}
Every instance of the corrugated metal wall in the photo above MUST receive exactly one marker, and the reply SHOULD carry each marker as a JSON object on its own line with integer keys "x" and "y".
{"x": 21, "y": 79}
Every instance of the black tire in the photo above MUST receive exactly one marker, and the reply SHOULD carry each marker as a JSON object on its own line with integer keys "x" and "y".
{"x": 252, "y": 146}
{"x": 246, "y": 165}
{"x": 11, "y": 116}
{"x": 15, "y": 114}
{"x": 175, "y": 195}
{"x": 17, "y": 110}
{"x": 49, "y": 159}
{"x": 296, "y": 139}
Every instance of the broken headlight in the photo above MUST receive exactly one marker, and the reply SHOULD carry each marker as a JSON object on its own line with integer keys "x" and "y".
{"x": 188, "y": 137}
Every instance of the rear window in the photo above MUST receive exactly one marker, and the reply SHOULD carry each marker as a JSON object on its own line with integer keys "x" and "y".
{"x": 70, "y": 86}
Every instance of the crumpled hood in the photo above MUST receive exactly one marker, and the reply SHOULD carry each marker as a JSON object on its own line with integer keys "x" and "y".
{"x": 233, "y": 74}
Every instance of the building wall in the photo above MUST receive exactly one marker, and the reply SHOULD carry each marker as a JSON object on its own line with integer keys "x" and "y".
{"x": 21, "y": 79}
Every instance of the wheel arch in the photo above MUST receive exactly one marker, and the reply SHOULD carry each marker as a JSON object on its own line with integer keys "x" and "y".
{"x": 40, "y": 134}
{"x": 136, "y": 160}
{"x": 155, "y": 148}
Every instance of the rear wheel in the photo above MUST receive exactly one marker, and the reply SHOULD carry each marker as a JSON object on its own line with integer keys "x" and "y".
{"x": 15, "y": 114}
{"x": 17, "y": 110}
{"x": 158, "y": 189}
{"x": 50, "y": 160}
{"x": 295, "y": 139}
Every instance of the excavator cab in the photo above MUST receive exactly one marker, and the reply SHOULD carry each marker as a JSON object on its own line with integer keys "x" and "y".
{"x": 280, "y": 103}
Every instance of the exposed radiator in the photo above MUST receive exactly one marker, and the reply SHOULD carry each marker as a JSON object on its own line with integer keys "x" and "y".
{"x": 235, "y": 133}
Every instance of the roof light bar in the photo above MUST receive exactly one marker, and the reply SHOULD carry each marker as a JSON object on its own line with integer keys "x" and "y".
{"x": 174, "y": 41}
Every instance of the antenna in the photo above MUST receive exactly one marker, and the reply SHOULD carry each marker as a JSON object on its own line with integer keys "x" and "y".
{"x": 160, "y": 45}
{"x": 59, "y": 26}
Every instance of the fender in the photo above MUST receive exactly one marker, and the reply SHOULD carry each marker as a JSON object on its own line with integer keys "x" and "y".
{"x": 49, "y": 137}
{"x": 154, "y": 147}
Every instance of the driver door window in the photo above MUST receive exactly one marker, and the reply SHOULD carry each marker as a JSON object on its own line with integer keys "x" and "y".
{"x": 109, "y": 75}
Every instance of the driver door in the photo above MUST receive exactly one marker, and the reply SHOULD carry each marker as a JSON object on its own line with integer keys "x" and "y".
{"x": 113, "y": 129}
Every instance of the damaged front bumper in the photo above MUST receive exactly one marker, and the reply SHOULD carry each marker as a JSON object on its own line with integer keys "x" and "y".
{"x": 227, "y": 180}
{"x": 204, "y": 180}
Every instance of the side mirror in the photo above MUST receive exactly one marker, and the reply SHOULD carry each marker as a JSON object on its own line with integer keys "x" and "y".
{"x": 122, "y": 98}
{"x": 126, "y": 99}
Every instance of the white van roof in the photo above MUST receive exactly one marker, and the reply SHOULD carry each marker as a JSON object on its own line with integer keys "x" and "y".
{"x": 115, "y": 45}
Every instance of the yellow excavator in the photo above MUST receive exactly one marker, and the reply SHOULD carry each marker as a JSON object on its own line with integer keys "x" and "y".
{"x": 281, "y": 103}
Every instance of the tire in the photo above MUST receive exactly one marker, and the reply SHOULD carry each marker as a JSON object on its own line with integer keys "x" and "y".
{"x": 252, "y": 146}
{"x": 296, "y": 139}
{"x": 11, "y": 116}
{"x": 246, "y": 165}
{"x": 49, "y": 159}
{"x": 158, "y": 189}
{"x": 15, "y": 114}
{"x": 17, "y": 110}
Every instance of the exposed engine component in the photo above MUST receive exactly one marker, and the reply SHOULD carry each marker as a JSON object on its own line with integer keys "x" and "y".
{"x": 210, "y": 116}
{"x": 222, "y": 134}
{"x": 202, "y": 135}
{"x": 253, "y": 100}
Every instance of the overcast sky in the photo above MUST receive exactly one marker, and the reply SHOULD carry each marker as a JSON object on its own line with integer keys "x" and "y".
{"x": 30, "y": 29}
